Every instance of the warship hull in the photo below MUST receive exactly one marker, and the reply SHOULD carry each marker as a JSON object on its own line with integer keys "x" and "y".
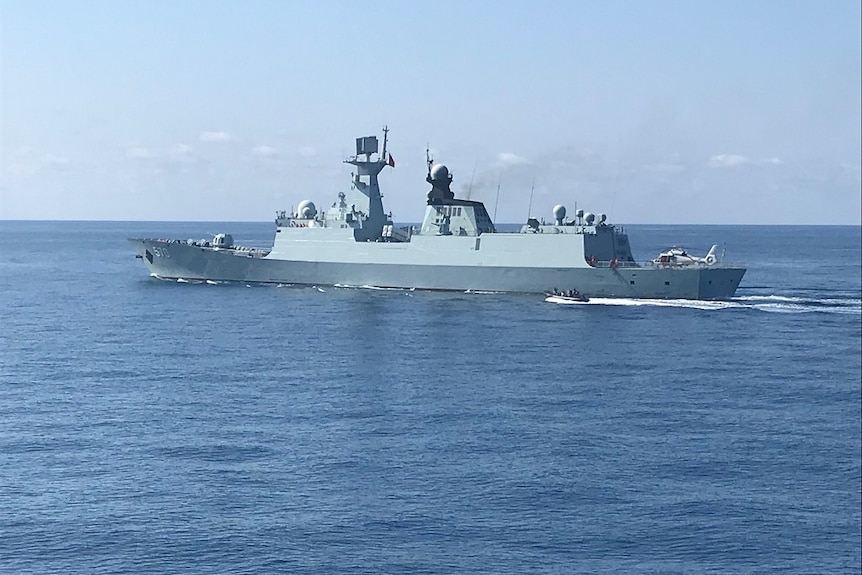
{"x": 385, "y": 266}
{"x": 456, "y": 248}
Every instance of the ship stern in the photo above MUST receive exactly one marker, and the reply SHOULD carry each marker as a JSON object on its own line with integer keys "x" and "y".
{"x": 718, "y": 283}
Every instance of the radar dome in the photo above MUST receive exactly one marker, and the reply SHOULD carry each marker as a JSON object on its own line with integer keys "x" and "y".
{"x": 559, "y": 214}
{"x": 439, "y": 173}
{"x": 306, "y": 209}
{"x": 589, "y": 218}
{"x": 602, "y": 218}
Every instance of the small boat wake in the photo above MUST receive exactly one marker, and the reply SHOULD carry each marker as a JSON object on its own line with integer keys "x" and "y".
{"x": 184, "y": 280}
{"x": 381, "y": 288}
{"x": 838, "y": 303}
{"x": 766, "y": 303}
{"x": 634, "y": 302}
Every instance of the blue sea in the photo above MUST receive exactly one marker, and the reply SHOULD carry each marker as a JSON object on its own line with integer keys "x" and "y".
{"x": 162, "y": 427}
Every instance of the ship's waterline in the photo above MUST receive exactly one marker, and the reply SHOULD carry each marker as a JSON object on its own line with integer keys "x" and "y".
{"x": 457, "y": 247}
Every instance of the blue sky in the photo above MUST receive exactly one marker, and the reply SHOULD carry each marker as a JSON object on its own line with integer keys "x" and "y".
{"x": 649, "y": 111}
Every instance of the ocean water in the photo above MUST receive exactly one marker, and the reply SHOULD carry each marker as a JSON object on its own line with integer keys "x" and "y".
{"x": 156, "y": 427}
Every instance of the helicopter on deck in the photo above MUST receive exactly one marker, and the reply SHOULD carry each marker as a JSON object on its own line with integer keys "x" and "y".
{"x": 677, "y": 256}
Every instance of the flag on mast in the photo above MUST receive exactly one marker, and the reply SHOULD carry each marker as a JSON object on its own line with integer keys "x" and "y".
{"x": 391, "y": 161}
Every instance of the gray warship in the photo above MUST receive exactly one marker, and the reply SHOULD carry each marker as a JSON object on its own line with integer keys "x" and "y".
{"x": 456, "y": 248}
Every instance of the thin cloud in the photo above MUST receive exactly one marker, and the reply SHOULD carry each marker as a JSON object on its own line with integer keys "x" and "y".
{"x": 735, "y": 160}
{"x": 264, "y": 151}
{"x": 510, "y": 159}
{"x": 26, "y": 162}
{"x": 728, "y": 161}
{"x": 307, "y": 151}
{"x": 181, "y": 153}
{"x": 216, "y": 137}
{"x": 666, "y": 168}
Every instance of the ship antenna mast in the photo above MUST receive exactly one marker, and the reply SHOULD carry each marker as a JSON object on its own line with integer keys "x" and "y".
{"x": 428, "y": 159}
{"x": 497, "y": 199}
{"x": 530, "y": 207}
{"x": 472, "y": 176}
{"x": 384, "y": 157}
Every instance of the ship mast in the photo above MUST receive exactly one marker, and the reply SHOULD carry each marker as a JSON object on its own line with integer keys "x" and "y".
{"x": 365, "y": 180}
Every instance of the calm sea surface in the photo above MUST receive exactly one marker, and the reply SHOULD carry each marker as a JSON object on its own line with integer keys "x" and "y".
{"x": 155, "y": 427}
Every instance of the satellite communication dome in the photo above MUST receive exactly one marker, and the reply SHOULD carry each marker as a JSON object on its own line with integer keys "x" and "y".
{"x": 602, "y": 218}
{"x": 439, "y": 173}
{"x": 559, "y": 214}
{"x": 306, "y": 209}
{"x": 589, "y": 217}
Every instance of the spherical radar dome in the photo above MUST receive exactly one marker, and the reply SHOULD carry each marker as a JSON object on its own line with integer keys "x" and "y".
{"x": 559, "y": 212}
{"x": 306, "y": 209}
{"x": 439, "y": 173}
